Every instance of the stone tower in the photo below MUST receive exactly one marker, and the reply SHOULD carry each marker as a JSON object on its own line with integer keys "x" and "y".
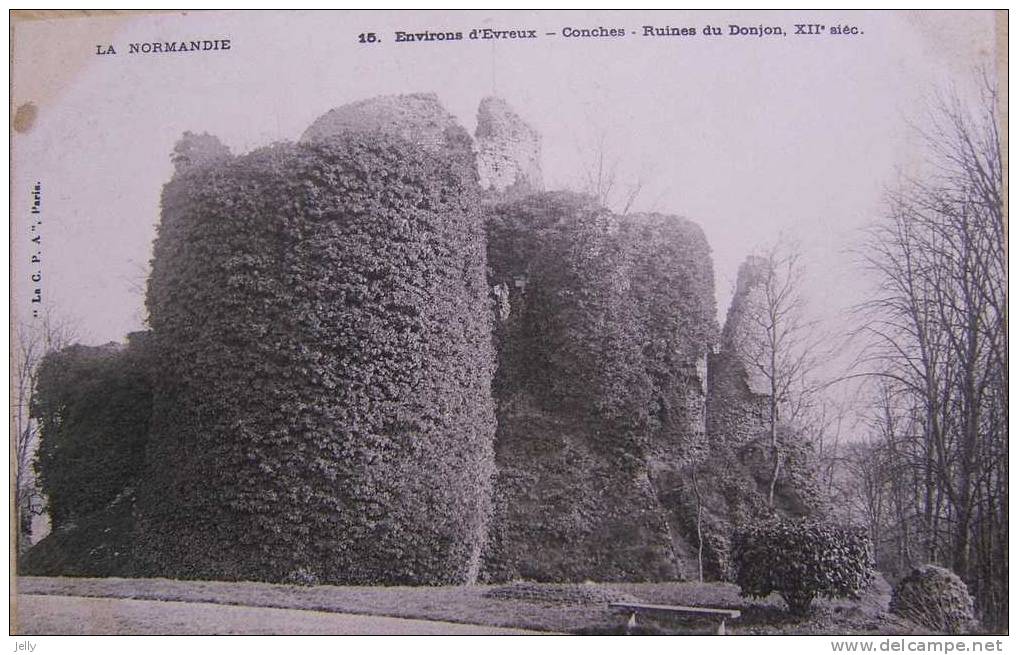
{"x": 508, "y": 150}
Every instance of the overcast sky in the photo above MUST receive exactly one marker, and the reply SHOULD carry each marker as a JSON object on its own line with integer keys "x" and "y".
{"x": 749, "y": 137}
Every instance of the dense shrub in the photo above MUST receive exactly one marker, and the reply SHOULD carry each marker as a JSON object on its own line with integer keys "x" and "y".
{"x": 322, "y": 340}
{"x": 936, "y": 598}
{"x": 560, "y": 594}
{"x": 800, "y": 560}
{"x": 93, "y": 405}
{"x": 98, "y": 545}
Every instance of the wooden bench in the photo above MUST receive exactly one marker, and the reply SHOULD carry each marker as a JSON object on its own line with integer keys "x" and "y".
{"x": 673, "y": 610}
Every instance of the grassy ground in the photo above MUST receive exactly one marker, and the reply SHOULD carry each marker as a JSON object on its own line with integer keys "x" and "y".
{"x": 469, "y": 604}
{"x": 76, "y": 615}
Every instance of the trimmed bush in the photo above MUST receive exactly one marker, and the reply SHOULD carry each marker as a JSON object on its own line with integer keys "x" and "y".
{"x": 322, "y": 407}
{"x": 560, "y": 594}
{"x": 800, "y": 560}
{"x": 93, "y": 405}
{"x": 936, "y": 598}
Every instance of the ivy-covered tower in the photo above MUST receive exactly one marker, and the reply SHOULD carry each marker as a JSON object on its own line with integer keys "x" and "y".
{"x": 323, "y": 356}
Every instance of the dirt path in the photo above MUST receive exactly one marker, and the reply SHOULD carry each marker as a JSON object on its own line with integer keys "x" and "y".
{"x": 74, "y": 615}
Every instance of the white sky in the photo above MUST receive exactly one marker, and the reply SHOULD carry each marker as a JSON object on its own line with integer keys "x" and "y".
{"x": 747, "y": 136}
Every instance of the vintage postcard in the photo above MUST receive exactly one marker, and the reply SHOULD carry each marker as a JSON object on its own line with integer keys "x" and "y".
{"x": 510, "y": 322}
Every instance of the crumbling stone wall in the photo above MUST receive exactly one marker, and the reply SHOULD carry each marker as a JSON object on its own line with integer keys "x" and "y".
{"x": 671, "y": 286}
{"x": 737, "y": 397}
{"x": 598, "y": 386}
{"x": 323, "y": 336}
{"x": 508, "y": 149}
{"x": 739, "y": 462}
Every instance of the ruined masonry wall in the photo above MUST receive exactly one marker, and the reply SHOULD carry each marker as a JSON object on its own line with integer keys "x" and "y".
{"x": 508, "y": 150}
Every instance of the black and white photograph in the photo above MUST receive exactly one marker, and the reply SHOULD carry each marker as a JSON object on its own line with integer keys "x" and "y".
{"x": 516, "y": 322}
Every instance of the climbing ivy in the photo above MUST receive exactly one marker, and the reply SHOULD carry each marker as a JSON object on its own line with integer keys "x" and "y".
{"x": 607, "y": 318}
{"x": 323, "y": 360}
{"x": 93, "y": 406}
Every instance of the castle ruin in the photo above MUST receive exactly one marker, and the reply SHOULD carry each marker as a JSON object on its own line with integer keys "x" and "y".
{"x": 384, "y": 354}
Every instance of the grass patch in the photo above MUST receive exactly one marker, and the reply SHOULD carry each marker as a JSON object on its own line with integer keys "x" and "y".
{"x": 473, "y": 604}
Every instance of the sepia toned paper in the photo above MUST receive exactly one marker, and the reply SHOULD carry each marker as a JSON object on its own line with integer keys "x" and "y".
{"x": 756, "y": 126}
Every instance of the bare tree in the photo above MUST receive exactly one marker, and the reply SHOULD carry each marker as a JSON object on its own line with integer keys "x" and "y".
{"x": 938, "y": 332}
{"x": 31, "y": 342}
{"x": 607, "y": 178}
{"x": 878, "y": 485}
{"x": 869, "y": 479}
{"x": 780, "y": 347}
{"x": 136, "y": 283}
{"x": 825, "y": 424}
